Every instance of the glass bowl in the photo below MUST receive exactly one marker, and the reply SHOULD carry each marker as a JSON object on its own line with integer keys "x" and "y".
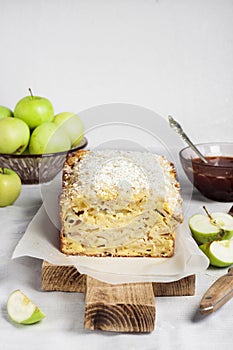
{"x": 214, "y": 179}
{"x": 37, "y": 168}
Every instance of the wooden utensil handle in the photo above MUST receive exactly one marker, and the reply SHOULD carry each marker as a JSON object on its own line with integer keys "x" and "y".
{"x": 231, "y": 211}
{"x": 218, "y": 294}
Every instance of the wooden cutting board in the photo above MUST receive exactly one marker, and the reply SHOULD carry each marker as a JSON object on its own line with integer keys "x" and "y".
{"x": 126, "y": 307}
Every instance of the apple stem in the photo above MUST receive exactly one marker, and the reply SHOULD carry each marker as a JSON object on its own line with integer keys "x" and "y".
{"x": 209, "y": 216}
{"x": 207, "y": 213}
{"x": 30, "y": 90}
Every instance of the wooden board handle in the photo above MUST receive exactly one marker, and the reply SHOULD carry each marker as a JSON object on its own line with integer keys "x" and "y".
{"x": 119, "y": 308}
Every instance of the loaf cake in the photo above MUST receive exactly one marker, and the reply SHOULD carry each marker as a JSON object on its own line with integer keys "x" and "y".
{"x": 119, "y": 203}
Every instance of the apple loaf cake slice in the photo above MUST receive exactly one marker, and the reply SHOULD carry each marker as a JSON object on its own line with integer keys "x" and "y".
{"x": 119, "y": 203}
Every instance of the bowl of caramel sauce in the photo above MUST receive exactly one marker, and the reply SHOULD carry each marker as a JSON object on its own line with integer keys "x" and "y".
{"x": 213, "y": 179}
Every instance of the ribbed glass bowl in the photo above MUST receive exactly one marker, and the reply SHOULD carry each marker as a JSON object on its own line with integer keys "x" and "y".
{"x": 215, "y": 179}
{"x": 37, "y": 168}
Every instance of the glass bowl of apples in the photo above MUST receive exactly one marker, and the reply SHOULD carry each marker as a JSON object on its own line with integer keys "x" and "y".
{"x": 34, "y": 142}
{"x": 37, "y": 168}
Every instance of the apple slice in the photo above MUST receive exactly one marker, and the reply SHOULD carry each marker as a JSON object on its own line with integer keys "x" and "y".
{"x": 220, "y": 253}
{"x": 22, "y": 310}
{"x": 217, "y": 226}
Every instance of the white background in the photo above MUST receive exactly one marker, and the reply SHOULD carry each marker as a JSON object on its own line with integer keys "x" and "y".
{"x": 174, "y": 57}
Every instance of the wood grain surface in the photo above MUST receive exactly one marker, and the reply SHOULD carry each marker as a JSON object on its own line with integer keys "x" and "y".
{"x": 68, "y": 279}
{"x": 119, "y": 308}
{"x": 183, "y": 287}
{"x": 62, "y": 278}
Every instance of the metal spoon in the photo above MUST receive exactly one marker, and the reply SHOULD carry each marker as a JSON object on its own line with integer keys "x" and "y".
{"x": 177, "y": 127}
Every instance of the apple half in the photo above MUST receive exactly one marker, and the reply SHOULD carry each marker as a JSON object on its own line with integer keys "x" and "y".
{"x": 205, "y": 229}
{"x": 220, "y": 253}
{"x": 22, "y": 310}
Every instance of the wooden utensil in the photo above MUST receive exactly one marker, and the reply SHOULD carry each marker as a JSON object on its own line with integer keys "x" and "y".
{"x": 218, "y": 294}
{"x": 231, "y": 211}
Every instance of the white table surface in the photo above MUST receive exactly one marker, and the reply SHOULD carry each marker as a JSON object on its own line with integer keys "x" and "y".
{"x": 178, "y": 324}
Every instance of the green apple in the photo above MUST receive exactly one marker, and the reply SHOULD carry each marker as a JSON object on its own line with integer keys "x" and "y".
{"x": 22, "y": 310}
{"x": 5, "y": 112}
{"x": 14, "y": 135}
{"x": 73, "y": 126}
{"x": 10, "y": 186}
{"x": 34, "y": 110}
{"x": 220, "y": 253}
{"x": 216, "y": 226}
{"x": 49, "y": 138}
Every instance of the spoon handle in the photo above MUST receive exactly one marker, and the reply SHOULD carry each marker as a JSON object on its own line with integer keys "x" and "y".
{"x": 177, "y": 127}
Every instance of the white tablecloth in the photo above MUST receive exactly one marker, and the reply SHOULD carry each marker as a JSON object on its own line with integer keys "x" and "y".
{"x": 178, "y": 324}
